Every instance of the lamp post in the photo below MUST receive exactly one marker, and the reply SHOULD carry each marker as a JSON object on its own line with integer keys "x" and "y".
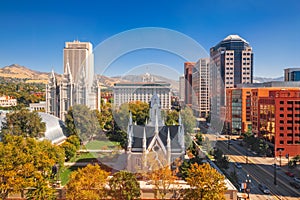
{"x": 275, "y": 173}
{"x": 248, "y": 181}
{"x": 280, "y": 151}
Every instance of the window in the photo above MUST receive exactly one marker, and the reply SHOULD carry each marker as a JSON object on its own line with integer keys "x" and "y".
{"x": 281, "y": 121}
{"x": 290, "y": 135}
{"x": 281, "y": 128}
{"x": 281, "y": 108}
{"x": 289, "y": 142}
{"x": 281, "y": 142}
{"x": 281, "y": 115}
{"x": 281, "y": 134}
{"x": 281, "y": 102}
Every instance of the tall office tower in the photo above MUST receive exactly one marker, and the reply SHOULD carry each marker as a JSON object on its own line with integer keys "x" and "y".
{"x": 80, "y": 57}
{"x": 292, "y": 74}
{"x": 77, "y": 85}
{"x": 181, "y": 88}
{"x": 188, "y": 71}
{"x": 233, "y": 57}
{"x": 201, "y": 87}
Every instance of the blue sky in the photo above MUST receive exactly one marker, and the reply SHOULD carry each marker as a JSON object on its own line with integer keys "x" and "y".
{"x": 33, "y": 33}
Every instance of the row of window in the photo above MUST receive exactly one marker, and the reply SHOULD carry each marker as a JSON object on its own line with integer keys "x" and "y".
{"x": 289, "y": 142}
{"x": 289, "y": 135}
{"x": 289, "y": 108}
{"x": 290, "y": 115}
{"x": 290, "y": 102}
{"x": 289, "y": 127}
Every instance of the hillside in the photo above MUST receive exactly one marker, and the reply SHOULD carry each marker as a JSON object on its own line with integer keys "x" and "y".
{"x": 16, "y": 71}
{"x": 27, "y": 75}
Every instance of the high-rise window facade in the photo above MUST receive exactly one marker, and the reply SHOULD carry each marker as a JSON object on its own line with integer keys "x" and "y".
{"x": 233, "y": 57}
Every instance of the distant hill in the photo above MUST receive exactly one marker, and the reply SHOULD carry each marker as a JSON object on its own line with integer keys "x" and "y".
{"x": 26, "y": 74}
{"x": 264, "y": 79}
{"x": 16, "y": 71}
{"x": 110, "y": 81}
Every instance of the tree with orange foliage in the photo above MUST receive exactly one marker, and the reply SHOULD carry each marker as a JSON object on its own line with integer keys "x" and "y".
{"x": 205, "y": 183}
{"x": 87, "y": 183}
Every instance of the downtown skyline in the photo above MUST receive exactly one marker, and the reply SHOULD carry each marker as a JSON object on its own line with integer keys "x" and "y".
{"x": 34, "y": 33}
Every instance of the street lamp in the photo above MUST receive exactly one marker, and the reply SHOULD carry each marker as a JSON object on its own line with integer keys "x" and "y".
{"x": 275, "y": 173}
{"x": 280, "y": 151}
{"x": 248, "y": 181}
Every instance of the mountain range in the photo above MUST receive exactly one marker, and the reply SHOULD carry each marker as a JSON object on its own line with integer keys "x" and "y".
{"x": 16, "y": 71}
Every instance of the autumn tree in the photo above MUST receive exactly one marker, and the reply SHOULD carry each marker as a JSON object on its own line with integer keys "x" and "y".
{"x": 71, "y": 146}
{"x": 105, "y": 117}
{"x": 82, "y": 121}
{"x": 162, "y": 180}
{"x": 124, "y": 186}
{"x": 159, "y": 174}
{"x": 26, "y": 162}
{"x": 87, "y": 183}
{"x": 24, "y": 123}
{"x": 138, "y": 109}
{"x": 205, "y": 183}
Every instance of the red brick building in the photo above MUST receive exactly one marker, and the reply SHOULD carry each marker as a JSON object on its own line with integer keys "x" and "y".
{"x": 188, "y": 72}
{"x": 278, "y": 120}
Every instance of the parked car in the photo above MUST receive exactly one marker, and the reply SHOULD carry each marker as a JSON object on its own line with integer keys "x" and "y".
{"x": 290, "y": 174}
{"x": 295, "y": 184}
{"x": 264, "y": 188}
{"x": 297, "y": 179}
{"x": 238, "y": 165}
{"x": 277, "y": 166}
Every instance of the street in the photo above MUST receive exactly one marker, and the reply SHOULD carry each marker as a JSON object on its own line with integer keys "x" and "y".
{"x": 260, "y": 170}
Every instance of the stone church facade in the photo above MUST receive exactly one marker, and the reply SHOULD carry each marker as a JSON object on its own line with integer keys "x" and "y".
{"x": 155, "y": 144}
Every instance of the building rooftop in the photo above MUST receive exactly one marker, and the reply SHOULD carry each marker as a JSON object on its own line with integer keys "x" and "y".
{"x": 234, "y": 37}
{"x": 54, "y": 127}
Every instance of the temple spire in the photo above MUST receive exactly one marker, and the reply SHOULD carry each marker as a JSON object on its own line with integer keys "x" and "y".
{"x": 144, "y": 140}
{"x": 168, "y": 140}
{"x": 156, "y": 124}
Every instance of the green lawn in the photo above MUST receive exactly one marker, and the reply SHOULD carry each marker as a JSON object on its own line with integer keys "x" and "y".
{"x": 64, "y": 176}
{"x": 99, "y": 144}
{"x": 83, "y": 157}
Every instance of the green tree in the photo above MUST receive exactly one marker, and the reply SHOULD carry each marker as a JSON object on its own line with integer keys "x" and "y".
{"x": 188, "y": 119}
{"x": 138, "y": 109}
{"x": 83, "y": 122}
{"x": 87, "y": 183}
{"x": 171, "y": 117}
{"x": 69, "y": 149}
{"x": 199, "y": 138}
{"x": 205, "y": 183}
{"x": 24, "y": 123}
{"x": 124, "y": 186}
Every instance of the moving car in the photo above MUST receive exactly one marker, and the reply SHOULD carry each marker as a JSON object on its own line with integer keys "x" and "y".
{"x": 290, "y": 174}
{"x": 295, "y": 184}
{"x": 264, "y": 188}
{"x": 297, "y": 179}
{"x": 238, "y": 165}
{"x": 277, "y": 166}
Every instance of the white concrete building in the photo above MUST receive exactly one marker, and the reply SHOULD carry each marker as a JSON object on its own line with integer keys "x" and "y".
{"x": 142, "y": 91}
{"x": 201, "y": 87}
{"x": 7, "y": 101}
